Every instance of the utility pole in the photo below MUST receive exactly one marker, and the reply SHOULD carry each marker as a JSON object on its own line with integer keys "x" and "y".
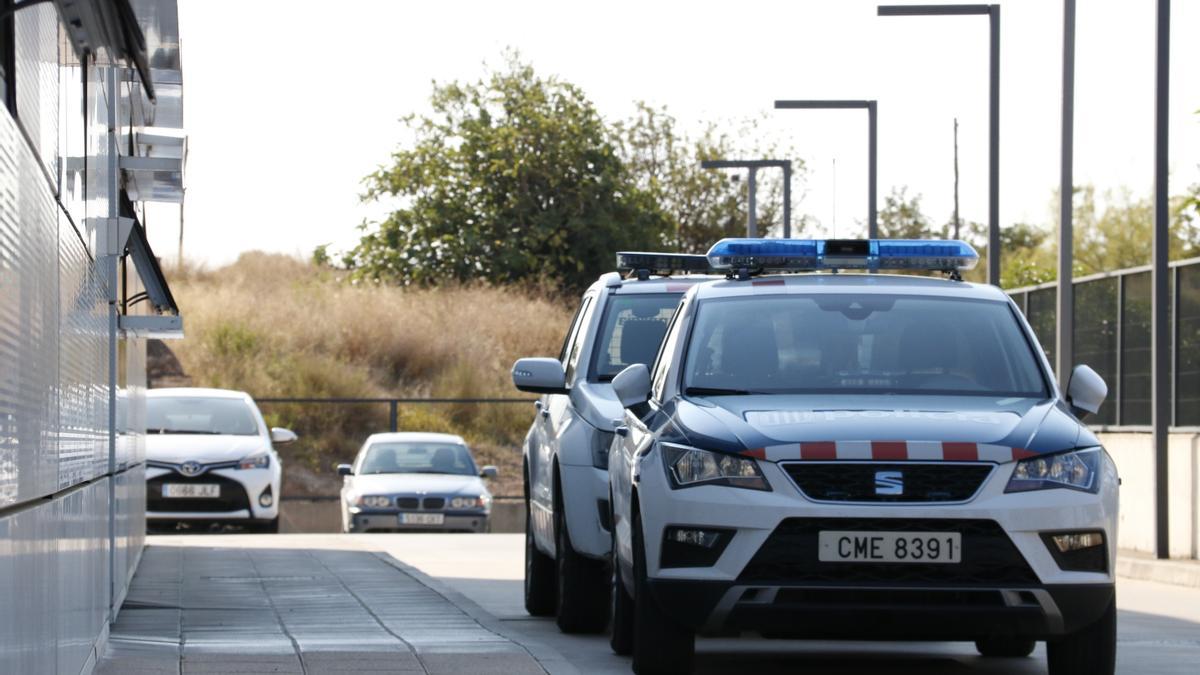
{"x": 835, "y": 196}
{"x": 956, "y": 221}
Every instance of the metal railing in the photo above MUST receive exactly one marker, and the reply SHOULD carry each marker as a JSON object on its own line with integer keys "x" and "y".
{"x": 392, "y": 403}
{"x": 1112, "y": 335}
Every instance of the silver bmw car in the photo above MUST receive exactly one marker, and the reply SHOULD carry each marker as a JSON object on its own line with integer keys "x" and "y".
{"x": 415, "y": 481}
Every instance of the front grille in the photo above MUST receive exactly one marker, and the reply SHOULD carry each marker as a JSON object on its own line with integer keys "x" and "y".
{"x": 434, "y": 503}
{"x": 407, "y": 502}
{"x": 790, "y": 555}
{"x": 233, "y": 495}
{"x": 856, "y": 481}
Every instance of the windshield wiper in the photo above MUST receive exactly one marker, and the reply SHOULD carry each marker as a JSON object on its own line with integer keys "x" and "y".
{"x": 182, "y": 431}
{"x": 716, "y": 391}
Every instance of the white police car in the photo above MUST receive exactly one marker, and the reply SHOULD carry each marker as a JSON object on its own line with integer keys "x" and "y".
{"x": 567, "y": 539}
{"x": 859, "y": 456}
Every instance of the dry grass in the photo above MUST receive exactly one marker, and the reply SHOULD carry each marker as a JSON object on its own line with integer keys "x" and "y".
{"x": 276, "y": 326}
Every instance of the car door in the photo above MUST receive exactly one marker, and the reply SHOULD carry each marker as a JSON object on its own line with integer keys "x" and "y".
{"x": 553, "y": 415}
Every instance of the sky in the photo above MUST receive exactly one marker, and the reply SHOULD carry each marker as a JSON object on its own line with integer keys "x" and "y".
{"x": 289, "y": 104}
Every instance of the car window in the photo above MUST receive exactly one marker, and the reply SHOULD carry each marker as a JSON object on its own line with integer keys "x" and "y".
{"x": 408, "y": 457}
{"x": 663, "y": 365}
{"x": 630, "y": 332}
{"x": 572, "y": 329}
{"x": 861, "y": 344}
{"x": 577, "y": 340}
{"x": 199, "y": 415}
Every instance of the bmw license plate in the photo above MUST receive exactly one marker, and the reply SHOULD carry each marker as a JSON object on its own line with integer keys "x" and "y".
{"x": 890, "y": 547}
{"x": 191, "y": 490}
{"x": 422, "y": 518}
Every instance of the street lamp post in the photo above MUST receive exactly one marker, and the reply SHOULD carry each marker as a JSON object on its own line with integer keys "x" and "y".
{"x": 753, "y": 165}
{"x": 1160, "y": 338}
{"x": 993, "y": 14}
{"x": 872, "y": 146}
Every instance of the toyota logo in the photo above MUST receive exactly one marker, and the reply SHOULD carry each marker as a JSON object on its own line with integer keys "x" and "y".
{"x": 191, "y": 468}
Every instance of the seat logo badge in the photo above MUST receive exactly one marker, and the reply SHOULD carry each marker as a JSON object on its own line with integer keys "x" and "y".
{"x": 889, "y": 483}
{"x": 191, "y": 468}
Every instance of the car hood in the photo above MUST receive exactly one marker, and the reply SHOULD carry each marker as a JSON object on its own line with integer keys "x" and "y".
{"x": 865, "y": 427}
{"x": 203, "y": 448}
{"x": 417, "y": 483}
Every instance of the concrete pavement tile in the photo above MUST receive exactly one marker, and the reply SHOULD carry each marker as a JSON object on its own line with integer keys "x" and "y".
{"x": 472, "y": 664}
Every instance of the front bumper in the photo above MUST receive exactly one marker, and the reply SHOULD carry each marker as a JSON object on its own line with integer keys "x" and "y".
{"x": 241, "y": 491}
{"x": 821, "y": 611}
{"x": 390, "y": 522}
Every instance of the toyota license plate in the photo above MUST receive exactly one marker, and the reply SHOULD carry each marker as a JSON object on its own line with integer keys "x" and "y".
{"x": 890, "y": 547}
{"x": 422, "y": 518}
{"x": 191, "y": 490}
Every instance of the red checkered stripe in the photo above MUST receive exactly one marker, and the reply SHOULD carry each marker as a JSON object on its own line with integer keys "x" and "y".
{"x": 895, "y": 451}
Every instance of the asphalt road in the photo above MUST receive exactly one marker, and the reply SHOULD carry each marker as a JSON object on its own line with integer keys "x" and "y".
{"x": 1159, "y": 625}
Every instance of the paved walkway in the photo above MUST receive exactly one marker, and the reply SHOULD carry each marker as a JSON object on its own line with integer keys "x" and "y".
{"x": 249, "y": 610}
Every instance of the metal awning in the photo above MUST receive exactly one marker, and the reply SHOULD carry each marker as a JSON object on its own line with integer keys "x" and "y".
{"x": 112, "y": 25}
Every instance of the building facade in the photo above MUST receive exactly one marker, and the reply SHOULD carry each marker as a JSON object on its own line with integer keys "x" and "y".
{"x": 82, "y": 146}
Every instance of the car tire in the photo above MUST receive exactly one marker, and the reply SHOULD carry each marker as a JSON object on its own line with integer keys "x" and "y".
{"x": 1005, "y": 647}
{"x": 1091, "y": 650}
{"x": 582, "y": 593}
{"x": 660, "y": 643}
{"x": 620, "y": 608}
{"x": 539, "y": 574}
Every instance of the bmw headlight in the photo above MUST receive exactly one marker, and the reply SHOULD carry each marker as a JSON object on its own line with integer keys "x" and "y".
{"x": 376, "y": 501}
{"x": 469, "y": 503}
{"x": 259, "y": 460}
{"x": 1076, "y": 470}
{"x": 688, "y": 467}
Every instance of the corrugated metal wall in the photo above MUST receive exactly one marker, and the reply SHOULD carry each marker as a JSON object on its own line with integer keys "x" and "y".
{"x": 65, "y": 559}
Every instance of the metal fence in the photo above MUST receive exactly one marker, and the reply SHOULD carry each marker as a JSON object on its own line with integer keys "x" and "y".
{"x": 1112, "y": 335}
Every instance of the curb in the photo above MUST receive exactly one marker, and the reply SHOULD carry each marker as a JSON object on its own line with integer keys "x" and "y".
{"x": 547, "y": 657}
{"x": 1144, "y": 568}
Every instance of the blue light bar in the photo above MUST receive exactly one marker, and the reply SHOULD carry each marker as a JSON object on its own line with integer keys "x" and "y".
{"x": 950, "y": 255}
{"x": 627, "y": 261}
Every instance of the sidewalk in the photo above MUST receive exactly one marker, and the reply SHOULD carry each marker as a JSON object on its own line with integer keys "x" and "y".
{"x": 1145, "y": 567}
{"x": 245, "y": 610}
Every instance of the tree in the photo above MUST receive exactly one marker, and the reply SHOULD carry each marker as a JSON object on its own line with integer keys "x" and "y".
{"x": 901, "y": 217}
{"x": 512, "y": 177}
{"x": 702, "y": 205}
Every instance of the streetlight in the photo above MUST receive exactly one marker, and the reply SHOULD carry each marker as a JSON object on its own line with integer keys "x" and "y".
{"x": 993, "y": 14}
{"x": 752, "y": 187}
{"x": 1160, "y": 337}
{"x": 872, "y": 146}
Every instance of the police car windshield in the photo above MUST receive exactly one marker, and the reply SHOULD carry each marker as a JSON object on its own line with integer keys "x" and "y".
{"x": 418, "y": 458}
{"x": 633, "y": 329}
{"x": 199, "y": 415}
{"x": 860, "y": 344}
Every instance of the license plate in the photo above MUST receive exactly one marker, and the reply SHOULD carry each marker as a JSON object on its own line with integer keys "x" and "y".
{"x": 186, "y": 490}
{"x": 890, "y": 547}
{"x": 422, "y": 518}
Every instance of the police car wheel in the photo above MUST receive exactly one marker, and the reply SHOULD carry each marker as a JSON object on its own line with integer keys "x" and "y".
{"x": 660, "y": 644}
{"x": 582, "y": 592}
{"x": 1089, "y": 651}
{"x": 539, "y": 574}
{"x": 620, "y": 608}
{"x": 1005, "y": 647}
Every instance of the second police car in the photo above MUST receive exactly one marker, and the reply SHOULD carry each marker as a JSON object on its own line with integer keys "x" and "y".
{"x": 620, "y": 321}
{"x": 859, "y": 456}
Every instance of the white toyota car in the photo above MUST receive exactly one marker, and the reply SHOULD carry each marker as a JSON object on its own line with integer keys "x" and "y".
{"x": 210, "y": 459}
{"x": 859, "y": 456}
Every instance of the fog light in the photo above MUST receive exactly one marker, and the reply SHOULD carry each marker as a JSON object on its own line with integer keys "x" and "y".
{"x": 1078, "y": 551}
{"x": 693, "y": 546}
{"x": 266, "y": 498}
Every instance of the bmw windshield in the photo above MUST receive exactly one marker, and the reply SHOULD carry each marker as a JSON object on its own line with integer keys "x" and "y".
{"x": 860, "y": 344}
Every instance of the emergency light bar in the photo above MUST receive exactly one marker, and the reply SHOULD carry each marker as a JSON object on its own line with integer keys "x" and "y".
{"x": 756, "y": 255}
{"x": 629, "y": 261}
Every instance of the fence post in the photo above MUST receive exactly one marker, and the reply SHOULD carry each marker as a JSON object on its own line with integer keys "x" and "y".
{"x": 394, "y": 415}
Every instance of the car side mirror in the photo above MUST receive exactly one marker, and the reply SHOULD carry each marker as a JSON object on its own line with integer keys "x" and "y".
{"x": 280, "y": 435}
{"x": 539, "y": 376}
{"x": 1086, "y": 391}
{"x": 489, "y": 471}
{"x": 345, "y": 470}
{"x": 632, "y": 385}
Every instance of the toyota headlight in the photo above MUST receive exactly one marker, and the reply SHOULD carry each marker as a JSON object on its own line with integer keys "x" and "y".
{"x": 260, "y": 460}
{"x": 1076, "y": 470}
{"x": 688, "y": 467}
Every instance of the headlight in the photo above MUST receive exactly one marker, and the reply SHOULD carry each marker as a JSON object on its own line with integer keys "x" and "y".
{"x": 466, "y": 503}
{"x": 260, "y": 461}
{"x": 1077, "y": 470}
{"x": 688, "y": 467}
{"x": 376, "y": 501}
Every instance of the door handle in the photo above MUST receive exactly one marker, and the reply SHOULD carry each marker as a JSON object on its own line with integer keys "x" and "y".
{"x": 622, "y": 430}
{"x": 545, "y": 413}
